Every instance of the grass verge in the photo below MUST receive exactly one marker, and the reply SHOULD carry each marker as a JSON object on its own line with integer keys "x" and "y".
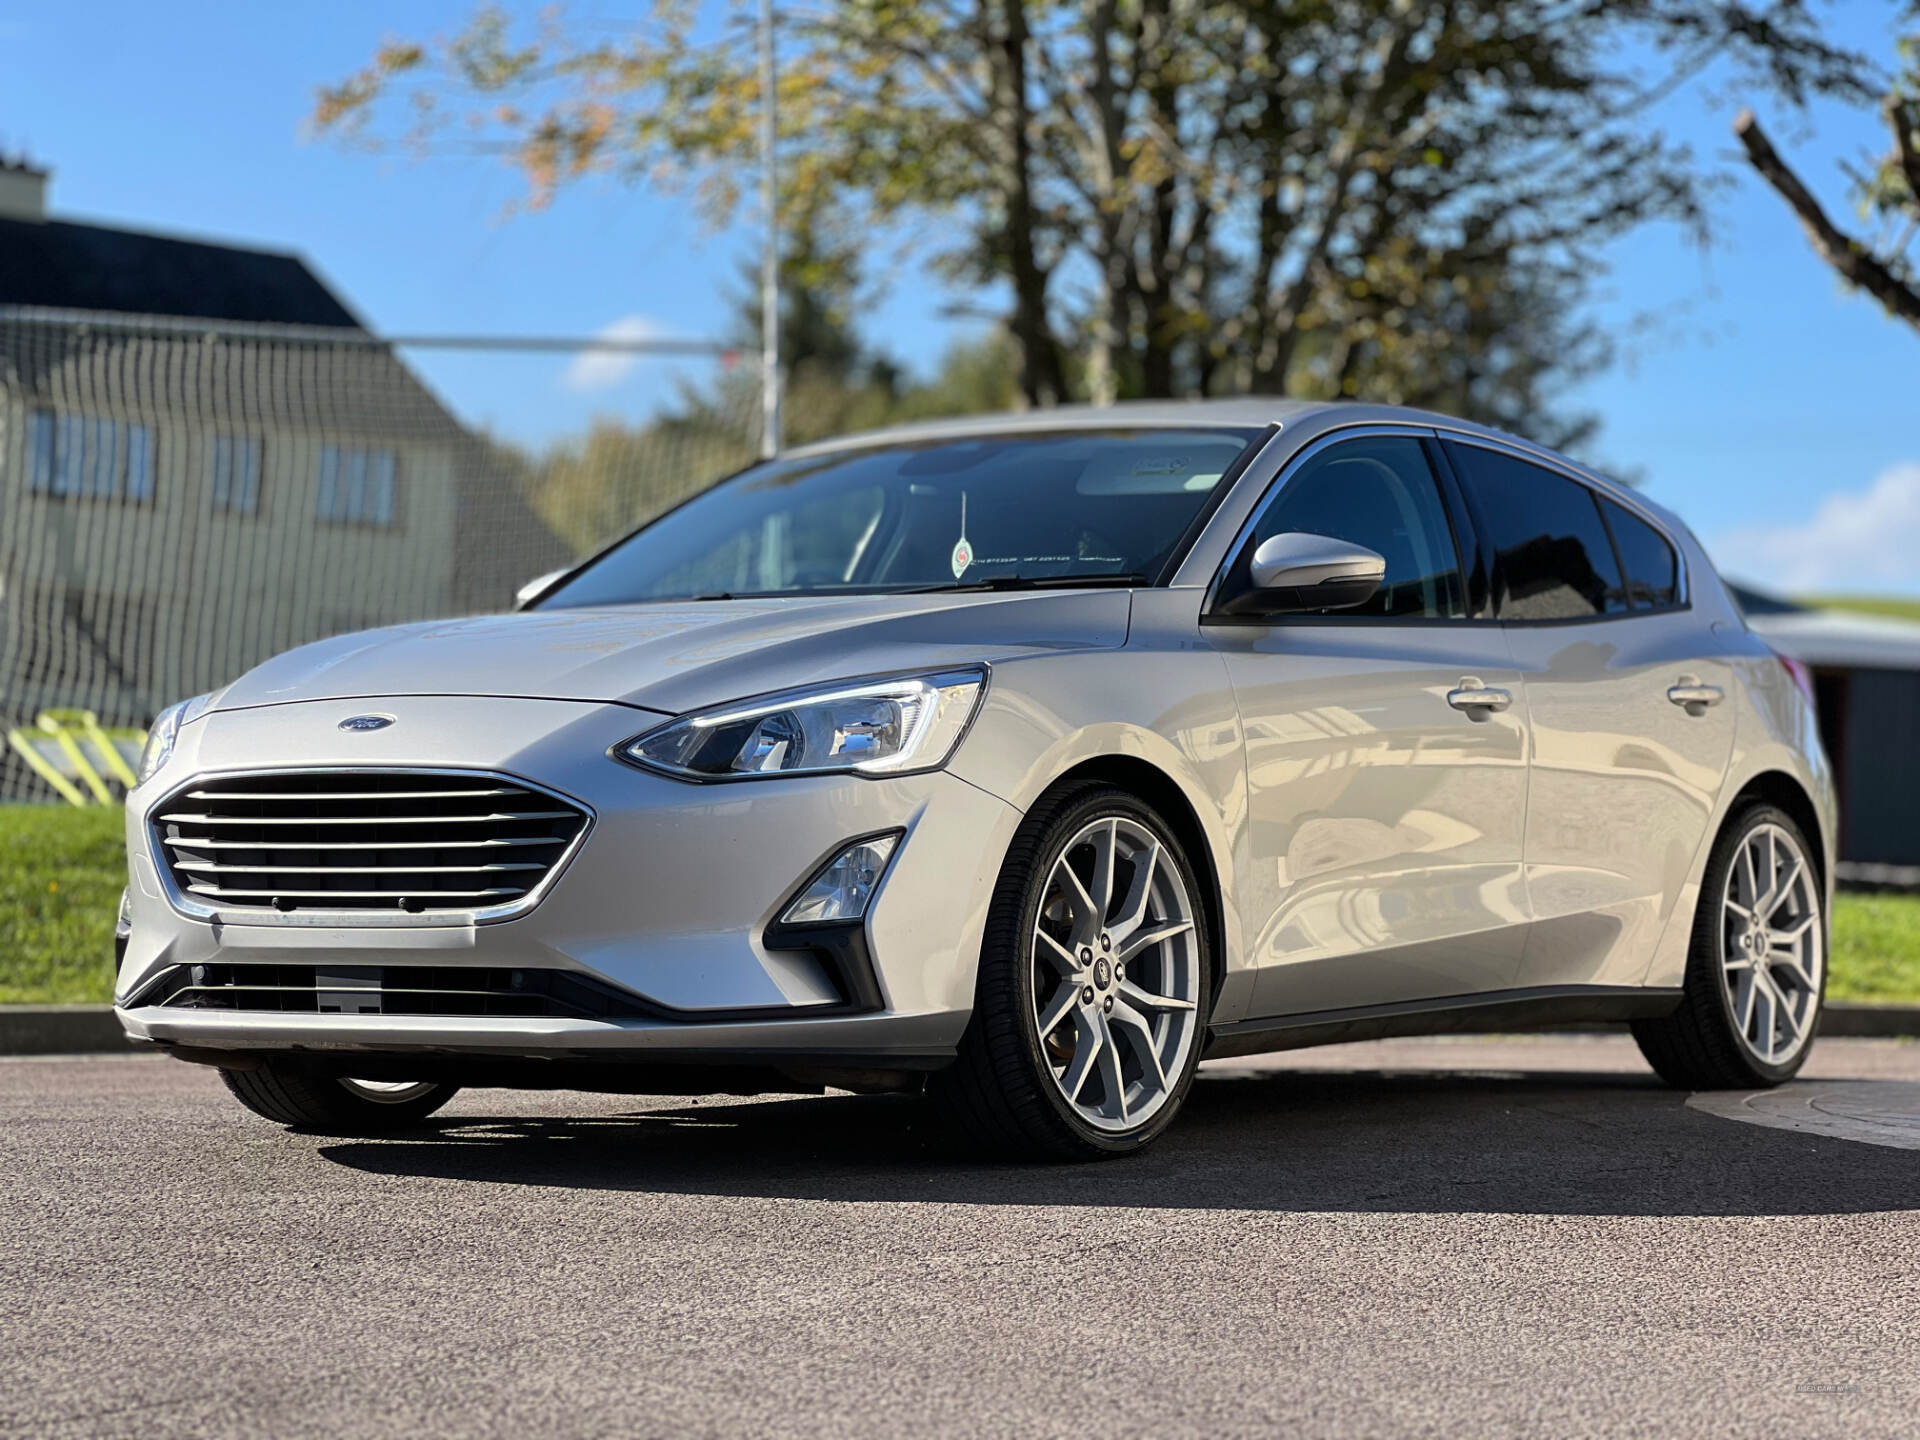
{"x": 1876, "y": 949}
{"x": 1889, "y": 607}
{"x": 61, "y": 870}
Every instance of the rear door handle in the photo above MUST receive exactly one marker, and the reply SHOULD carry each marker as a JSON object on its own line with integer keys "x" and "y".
{"x": 1472, "y": 696}
{"x": 1694, "y": 697}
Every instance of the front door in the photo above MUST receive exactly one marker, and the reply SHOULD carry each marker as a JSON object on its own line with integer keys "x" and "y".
{"x": 1386, "y": 756}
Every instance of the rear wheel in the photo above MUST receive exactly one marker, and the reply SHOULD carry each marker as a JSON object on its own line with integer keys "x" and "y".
{"x": 1094, "y": 986}
{"x": 310, "y": 1100}
{"x": 1757, "y": 971}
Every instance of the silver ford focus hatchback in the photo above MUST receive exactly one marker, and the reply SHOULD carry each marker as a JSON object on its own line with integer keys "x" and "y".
{"x": 1024, "y": 761}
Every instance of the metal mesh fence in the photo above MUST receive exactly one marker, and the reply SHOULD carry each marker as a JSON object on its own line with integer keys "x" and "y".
{"x": 178, "y": 503}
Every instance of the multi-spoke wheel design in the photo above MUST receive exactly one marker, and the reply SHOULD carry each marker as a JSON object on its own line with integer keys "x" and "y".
{"x": 1115, "y": 973}
{"x": 1094, "y": 988}
{"x": 1772, "y": 944}
{"x": 1756, "y": 970}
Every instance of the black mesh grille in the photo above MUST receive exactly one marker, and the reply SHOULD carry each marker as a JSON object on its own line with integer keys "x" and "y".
{"x": 386, "y": 990}
{"x": 398, "y": 840}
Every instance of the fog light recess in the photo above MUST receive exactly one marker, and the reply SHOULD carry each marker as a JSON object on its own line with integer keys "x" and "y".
{"x": 842, "y": 888}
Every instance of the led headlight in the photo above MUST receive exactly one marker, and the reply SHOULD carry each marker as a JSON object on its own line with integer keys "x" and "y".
{"x": 891, "y": 726}
{"x": 164, "y": 732}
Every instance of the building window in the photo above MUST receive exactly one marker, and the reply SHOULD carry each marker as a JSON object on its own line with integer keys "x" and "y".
{"x": 356, "y": 486}
{"x": 236, "y": 473}
{"x": 88, "y": 457}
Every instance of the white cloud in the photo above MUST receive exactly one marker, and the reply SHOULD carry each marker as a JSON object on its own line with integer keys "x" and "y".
{"x": 1857, "y": 541}
{"x": 603, "y": 369}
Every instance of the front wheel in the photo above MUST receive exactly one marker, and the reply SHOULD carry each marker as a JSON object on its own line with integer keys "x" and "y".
{"x": 310, "y": 1100}
{"x": 1094, "y": 985}
{"x": 1757, "y": 970}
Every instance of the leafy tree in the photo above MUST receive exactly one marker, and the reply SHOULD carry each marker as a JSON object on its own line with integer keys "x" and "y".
{"x": 1374, "y": 198}
{"x": 1888, "y": 193}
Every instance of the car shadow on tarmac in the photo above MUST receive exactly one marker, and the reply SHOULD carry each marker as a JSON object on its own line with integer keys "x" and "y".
{"x": 1315, "y": 1141}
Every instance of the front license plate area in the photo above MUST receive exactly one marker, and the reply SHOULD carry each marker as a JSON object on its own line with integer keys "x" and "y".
{"x": 347, "y": 990}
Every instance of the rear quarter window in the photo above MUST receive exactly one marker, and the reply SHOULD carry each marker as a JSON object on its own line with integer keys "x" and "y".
{"x": 1553, "y": 559}
{"x": 1653, "y": 570}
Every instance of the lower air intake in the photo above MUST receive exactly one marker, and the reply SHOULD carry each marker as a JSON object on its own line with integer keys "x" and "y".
{"x": 387, "y": 990}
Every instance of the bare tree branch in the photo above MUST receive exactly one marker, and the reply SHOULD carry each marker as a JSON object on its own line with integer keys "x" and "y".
{"x": 1903, "y": 118}
{"x": 1852, "y": 260}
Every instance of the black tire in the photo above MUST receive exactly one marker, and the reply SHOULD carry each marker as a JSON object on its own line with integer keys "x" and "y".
{"x": 309, "y": 1099}
{"x": 1700, "y": 1045}
{"x": 1001, "y": 1092}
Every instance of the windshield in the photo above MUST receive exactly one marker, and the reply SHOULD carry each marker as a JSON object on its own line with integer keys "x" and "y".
{"x": 984, "y": 512}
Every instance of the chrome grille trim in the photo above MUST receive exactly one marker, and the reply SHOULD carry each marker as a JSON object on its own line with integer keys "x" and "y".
{"x": 311, "y": 820}
{"x": 362, "y": 846}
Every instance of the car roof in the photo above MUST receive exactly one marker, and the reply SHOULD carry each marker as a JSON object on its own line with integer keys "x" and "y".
{"x": 1253, "y": 412}
{"x": 1243, "y": 412}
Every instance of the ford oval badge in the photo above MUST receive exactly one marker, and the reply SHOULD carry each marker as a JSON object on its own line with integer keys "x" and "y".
{"x": 366, "y": 722}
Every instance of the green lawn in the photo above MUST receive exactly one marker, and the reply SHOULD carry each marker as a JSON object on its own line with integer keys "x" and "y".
{"x": 1888, "y": 606}
{"x": 1876, "y": 948}
{"x": 61, "y": 870}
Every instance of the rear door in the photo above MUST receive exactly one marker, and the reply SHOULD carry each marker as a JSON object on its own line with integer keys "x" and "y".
{"x": 1631, "y": 729}
{"x": 1385, "y": 812}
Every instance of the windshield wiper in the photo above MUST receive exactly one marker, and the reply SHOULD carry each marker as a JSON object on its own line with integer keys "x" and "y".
{"x": 1030, "y": 582}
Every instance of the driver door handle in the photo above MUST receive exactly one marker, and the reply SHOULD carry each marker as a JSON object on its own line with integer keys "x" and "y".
{"x": 1693, "y": 697}
{"x": 1472, "y": 697}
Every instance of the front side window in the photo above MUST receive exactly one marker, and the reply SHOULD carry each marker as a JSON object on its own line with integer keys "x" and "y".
{"x": 88, "y": 457}
{"x": 992, "y": 511}
{"x": 1379, "y": 492}
{"x": 356, "y": 486}
{"x": 1653, "y": 570}
{"x": 236, "y": 473}
{"x": 1552, "y": 557}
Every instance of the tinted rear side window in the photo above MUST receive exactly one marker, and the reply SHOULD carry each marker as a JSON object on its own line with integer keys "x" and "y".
{"x": 1552, "y": 556}
{"x": 1653, "y": 572}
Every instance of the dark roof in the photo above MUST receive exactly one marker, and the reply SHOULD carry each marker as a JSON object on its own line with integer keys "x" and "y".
{"x": 64, "y": 266}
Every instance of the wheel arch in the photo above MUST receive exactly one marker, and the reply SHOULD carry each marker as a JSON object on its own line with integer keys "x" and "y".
{"x": 1160, "y": 790}
{"x": 1778, "y": 788}
{"x": 1773, "y": 786}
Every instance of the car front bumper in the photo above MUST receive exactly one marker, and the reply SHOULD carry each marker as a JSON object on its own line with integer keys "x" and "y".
{"x": 668, "y": 899}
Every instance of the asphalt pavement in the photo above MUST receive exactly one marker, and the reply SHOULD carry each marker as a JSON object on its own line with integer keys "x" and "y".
{"x": 1462, "y": 1237}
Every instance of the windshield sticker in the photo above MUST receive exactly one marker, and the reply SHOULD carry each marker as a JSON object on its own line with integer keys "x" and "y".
{"x": 962, "y": 551}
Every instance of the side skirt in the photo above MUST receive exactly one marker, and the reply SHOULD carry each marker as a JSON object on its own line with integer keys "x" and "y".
{"x": 1444, "y": 1015}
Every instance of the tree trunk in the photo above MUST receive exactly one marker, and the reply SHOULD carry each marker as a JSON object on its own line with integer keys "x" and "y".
{"x": 1347, "y": 149}
{"x": 1041, "y": 378}
{"x": 1113, "y": 319}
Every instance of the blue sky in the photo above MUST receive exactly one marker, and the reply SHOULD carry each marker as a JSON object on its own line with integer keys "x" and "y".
{"x": 1780, "y": 416}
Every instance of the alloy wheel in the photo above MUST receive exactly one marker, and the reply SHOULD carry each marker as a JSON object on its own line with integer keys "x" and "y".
{"x": 386, "y": 1092}
{"x": 1772, "y": 945}
{"x": 1115, "y": 973}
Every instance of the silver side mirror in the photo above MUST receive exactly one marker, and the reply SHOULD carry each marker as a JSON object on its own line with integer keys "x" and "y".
{"x": 534, "y": 589}
{"x": 1295, "y": 572}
